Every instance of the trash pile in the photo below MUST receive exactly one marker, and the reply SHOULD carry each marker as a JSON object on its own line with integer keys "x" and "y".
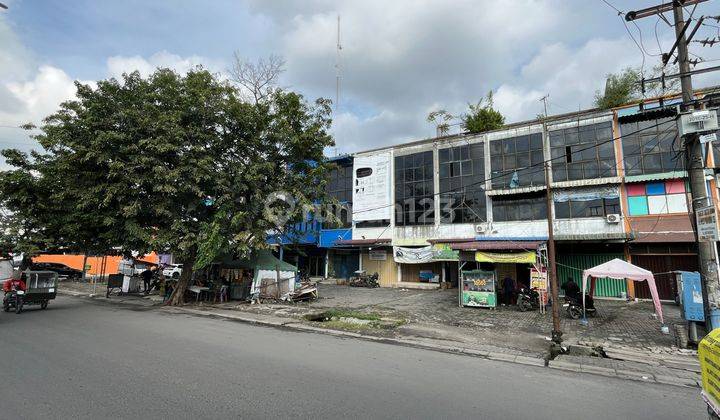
{"x": 361, "y": 279}
{"x": 307, "y": 291}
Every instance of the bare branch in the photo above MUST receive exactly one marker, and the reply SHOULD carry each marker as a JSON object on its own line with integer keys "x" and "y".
{"x": 256, "y": 79}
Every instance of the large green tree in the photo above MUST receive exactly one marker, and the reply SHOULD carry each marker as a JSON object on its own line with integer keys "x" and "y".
{"x": 172, "y": 163}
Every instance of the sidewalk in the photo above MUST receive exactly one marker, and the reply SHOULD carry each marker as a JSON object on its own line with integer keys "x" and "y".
{"x": 432, "y": 319}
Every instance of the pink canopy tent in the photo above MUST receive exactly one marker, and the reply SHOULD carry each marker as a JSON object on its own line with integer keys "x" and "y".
{"x": 619, "y": 269}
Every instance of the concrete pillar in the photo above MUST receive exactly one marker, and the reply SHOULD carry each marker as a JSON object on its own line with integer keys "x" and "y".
{"x": 360, "y": 265}
{"x": 281, "y": 253}
{"x": 327, "y": 262}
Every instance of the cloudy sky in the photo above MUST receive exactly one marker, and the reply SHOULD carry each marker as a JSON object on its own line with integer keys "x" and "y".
{"x": 400, "y": 59}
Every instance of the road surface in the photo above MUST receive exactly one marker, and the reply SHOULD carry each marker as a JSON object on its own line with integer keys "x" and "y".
{"x": 87, "y": 359}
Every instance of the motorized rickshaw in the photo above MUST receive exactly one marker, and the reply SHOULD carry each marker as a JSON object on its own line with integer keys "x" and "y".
{"x": 33, "y": 288}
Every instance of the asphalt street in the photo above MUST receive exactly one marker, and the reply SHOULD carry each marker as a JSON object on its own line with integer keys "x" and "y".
{"x": 87, "y": 359}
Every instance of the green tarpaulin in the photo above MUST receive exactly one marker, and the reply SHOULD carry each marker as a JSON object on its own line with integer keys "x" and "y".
{"x": 260, "y": 260}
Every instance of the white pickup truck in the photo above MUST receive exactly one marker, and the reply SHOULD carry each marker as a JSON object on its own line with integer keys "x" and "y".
{"x": 173, "y": 271}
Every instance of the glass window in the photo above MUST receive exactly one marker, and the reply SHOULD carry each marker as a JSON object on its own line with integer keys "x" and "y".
{"x": 526, "y": 207}
{"x": 516, "y": 155}
{"x": 462, "y": 198}
{"x": 339, "y": 187}
{"x": 650, "y": 147}
{"x": 592, "y": 208}
{"x": 585, "y": 148}
{"x": 414, "y": 192}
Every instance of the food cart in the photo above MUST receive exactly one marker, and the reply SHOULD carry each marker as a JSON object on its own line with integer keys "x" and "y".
{"x": 478, "y": 289}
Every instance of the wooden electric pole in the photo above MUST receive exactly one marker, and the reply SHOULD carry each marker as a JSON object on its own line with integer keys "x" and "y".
{"x": 552, "y": 269}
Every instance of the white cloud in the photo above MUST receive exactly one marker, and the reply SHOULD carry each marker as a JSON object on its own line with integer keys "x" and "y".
{"x": 42, "y": 95}
{"x": 30, "y": 92}
{"x": 117, "y": 65}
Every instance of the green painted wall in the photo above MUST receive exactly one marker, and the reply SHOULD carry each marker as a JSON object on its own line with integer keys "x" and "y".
{"x": 573, "y": 266}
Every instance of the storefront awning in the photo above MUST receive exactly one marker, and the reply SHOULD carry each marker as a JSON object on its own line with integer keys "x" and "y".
{"x": 527, "y": 257}
{"x": 665, "y": 228}
{"x": 495, "y": 245}
{"x": 363, "y": 242}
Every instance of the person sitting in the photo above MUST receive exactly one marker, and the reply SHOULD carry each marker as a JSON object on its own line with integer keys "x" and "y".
{"x": 572, "y": 290}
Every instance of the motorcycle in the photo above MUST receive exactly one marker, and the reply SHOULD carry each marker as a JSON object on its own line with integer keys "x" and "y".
{"x": 574, "y": 306}
{"x": 528, "y": 299}
{"x": 34, "y": 288}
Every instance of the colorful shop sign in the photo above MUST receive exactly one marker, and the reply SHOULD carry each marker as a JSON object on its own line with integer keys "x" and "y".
{"x": 443, "y": 252}
{"x": 478, "y": 289}
{"x": 538, "y": 280}
{"x": 511, "y": 258}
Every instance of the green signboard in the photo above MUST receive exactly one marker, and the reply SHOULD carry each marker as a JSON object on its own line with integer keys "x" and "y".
{"x": 478, "y": 289}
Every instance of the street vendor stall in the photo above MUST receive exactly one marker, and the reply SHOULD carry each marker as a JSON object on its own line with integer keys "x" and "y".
{"x": 619, "y": 269}
{"x": 478, "y": 289}
{"x": 270, "y": 276}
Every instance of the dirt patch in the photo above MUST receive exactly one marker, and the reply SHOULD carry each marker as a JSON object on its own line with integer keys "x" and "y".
{"x": 353, "y": 320}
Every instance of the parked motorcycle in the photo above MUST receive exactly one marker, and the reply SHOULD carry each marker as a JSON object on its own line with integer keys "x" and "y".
{"x": 574, "y": 306}
{"x": 528, "y": 299}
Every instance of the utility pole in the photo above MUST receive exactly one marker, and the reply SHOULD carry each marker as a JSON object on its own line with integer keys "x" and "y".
{"x": 337, "y": 67}
{"x": 696, "y": 170}
{"x": 707, "y": 251}
{"x": 551, "y": 269}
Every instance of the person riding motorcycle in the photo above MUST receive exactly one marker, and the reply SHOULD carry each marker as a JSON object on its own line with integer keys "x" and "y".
{"x": 14, "y": 284}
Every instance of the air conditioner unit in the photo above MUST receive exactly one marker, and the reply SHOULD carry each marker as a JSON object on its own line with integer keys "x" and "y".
{"x": 480, "y": 228}
{"x": 613, "y": 218}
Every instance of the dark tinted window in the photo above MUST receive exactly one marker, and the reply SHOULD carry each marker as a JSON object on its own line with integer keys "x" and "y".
{"x": 649, "y": 149}
{"x": 524, "y": 207}
{"x": 462, "y": 182}
{"x": 584, "y": 152}
{"x": 517, "y": 161}
{"x": 414, "y": 189}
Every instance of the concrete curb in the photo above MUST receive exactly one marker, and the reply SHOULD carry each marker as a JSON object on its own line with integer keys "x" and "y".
{"x": 294, "y": 325}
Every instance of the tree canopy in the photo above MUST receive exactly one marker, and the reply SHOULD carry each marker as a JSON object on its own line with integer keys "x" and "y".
{"x": 482, "y": 117}
{"x": 170, "y": 163}
{"x": 624, "y": 87}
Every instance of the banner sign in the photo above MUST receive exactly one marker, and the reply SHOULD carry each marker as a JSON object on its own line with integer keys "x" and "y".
{"x": 512, "y": 258}
{"x": 707, "y": 227}
{"x": 405, "y": 255}
{"x": 538, "y": 280}
{"x": 478, "y": 289}
{"x": 709, "y": 355}
{"x": 371, "y": 187}
{"x": 443, "y": 252}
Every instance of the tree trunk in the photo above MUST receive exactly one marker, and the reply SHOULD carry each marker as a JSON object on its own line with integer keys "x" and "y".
{"x": 178, "y": 296}
{"x": 84, "y": 267}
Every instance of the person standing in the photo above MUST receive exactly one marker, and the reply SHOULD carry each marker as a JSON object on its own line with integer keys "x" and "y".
{"x": 147, "y": 277}
{"x": 508, "y": 287}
